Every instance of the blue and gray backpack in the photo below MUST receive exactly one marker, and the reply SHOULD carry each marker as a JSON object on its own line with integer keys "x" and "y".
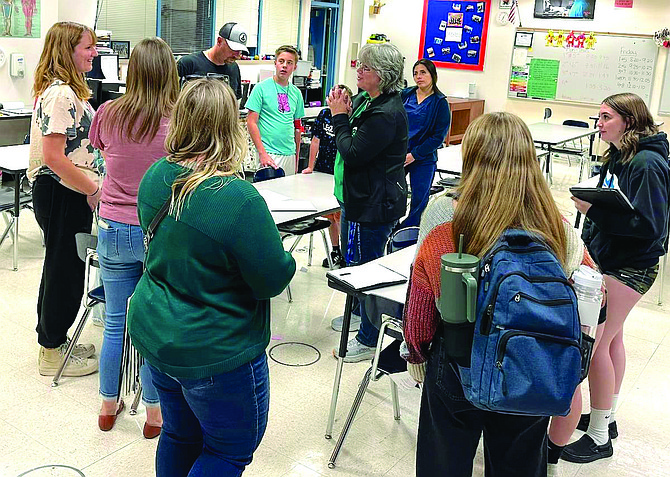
{"x": 527, "y": 348}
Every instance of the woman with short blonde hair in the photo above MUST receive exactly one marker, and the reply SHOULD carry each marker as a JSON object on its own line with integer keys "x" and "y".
{"x": 65, "y": 188}
{"x": 130, "y": 132}
{"x": 200, "y": 315}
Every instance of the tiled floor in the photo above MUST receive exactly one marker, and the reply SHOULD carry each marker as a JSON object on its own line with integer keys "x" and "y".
{"x": 40, "y": 425}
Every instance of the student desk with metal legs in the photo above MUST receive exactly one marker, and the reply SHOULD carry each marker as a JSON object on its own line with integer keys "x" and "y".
{"x": 399, "y": 261}
{"x": 14, "y": 160}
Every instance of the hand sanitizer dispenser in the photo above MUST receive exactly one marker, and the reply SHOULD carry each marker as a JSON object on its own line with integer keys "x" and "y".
{"x": 17, "y": 65}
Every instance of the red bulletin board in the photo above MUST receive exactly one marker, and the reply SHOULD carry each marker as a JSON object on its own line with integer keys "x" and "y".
{"x": 453, "y": 33}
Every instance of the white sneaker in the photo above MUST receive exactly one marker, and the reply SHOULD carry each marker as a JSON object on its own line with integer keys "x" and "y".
{"x": 354, "y": 324}
{"x": 356, "y": 351}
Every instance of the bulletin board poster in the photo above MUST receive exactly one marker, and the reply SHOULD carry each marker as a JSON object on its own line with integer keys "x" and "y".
{"x": 20, "y": 18}
{"x": 453, "y": 33}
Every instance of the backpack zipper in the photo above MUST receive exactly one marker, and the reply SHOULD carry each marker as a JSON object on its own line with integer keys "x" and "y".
{"x": 487, "y": 318}
{"x": 502, "y": 344}
{"x": 557, "y": 302}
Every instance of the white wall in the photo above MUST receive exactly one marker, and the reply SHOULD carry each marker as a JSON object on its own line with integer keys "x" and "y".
{"x": 401, "y": 21}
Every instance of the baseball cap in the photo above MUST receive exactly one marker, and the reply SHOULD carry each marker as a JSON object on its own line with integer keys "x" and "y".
{"x": 235, "y": 35}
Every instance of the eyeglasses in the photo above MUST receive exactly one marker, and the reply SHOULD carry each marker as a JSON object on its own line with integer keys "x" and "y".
{"x": 362, "y": 67}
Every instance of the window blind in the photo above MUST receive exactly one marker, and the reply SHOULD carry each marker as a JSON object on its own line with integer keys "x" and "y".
{"x": 129, "y": 20}
{"x": 280, "y": 24}
{"x": 244, "y": 12}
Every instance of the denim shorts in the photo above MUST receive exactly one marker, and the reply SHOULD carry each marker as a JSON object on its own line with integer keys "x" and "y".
{"x": 639, "y": 280}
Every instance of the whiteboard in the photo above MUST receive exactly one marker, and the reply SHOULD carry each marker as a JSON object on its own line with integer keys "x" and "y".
{"x": 616, "y": 64}
{"x": 664, "y": 107}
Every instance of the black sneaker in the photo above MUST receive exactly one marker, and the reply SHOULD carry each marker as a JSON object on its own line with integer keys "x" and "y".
{"x": 337, "y": 259}
{"x": 583, "y": 425}
{"x": 586, "y": 450}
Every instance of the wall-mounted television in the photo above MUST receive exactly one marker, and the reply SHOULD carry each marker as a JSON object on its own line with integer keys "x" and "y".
{"x": 565, "y": 9}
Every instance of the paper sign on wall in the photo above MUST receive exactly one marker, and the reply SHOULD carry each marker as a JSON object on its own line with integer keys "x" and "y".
{"x": 453, "y": 34}
{"x": 623, "y": 3}
{"x": 543, "y": 78}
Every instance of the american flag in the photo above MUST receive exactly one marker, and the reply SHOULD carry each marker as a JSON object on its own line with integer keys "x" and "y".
{"x": 513, "y": 16}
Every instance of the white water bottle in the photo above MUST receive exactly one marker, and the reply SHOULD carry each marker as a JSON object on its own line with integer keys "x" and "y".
{"x": 587, "y": 285}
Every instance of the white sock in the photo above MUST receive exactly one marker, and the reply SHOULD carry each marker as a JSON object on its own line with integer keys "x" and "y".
{"x": 615, "y": 401}
{"x": 598, "y": 426}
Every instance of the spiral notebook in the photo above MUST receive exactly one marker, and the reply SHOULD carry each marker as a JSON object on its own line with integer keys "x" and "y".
{"x": 367, "y": 277}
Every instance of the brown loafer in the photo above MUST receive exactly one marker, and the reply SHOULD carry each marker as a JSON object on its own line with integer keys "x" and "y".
{"x": 150, "y": 432}
{"x": 106, "y": 422}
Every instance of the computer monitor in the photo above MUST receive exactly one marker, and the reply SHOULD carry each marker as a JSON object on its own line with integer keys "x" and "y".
{"x": 110, "y": 66}
{"x": 303, "y": 68}
{"x": 95, "y": 85}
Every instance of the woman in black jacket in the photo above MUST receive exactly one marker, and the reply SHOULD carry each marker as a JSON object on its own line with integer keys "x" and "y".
{"x": 429, "y": 118}
{"x": 371, "y": 148}
{"x": 626, "y": 247}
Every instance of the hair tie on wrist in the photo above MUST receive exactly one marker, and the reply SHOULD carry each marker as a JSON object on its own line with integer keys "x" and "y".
{"x": 96, "y": 191}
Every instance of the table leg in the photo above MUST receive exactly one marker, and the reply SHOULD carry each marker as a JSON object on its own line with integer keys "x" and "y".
{"x": 17, "y": 208}
{"x": 547, "y": 165}
{"x": 341, "y": 353}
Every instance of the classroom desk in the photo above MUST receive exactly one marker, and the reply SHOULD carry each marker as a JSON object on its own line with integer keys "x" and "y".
{"x": 551, "y": 135}
{"x": 14, "y": 160}
{"x": 450, "y": 160}
{"x": 316, "y": 188}
{"x": 399, "y": 261}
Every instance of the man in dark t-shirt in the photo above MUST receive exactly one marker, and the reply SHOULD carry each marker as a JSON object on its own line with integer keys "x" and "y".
{"x": 219, "y": 59}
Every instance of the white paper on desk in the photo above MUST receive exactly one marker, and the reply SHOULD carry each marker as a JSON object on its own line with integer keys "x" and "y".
{"x": 271, "y": 196}
{"x": 292, "y": 206}
{"x": 368, "y": 275}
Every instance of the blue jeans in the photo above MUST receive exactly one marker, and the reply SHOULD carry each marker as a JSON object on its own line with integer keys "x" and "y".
{"x": 212, "y": 426}
{"x": 121, "y": 257}
{"x": 421, "y": 175}
{"x": 363, "y": 243}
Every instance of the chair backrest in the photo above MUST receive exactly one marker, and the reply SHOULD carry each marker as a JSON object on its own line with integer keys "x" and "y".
{"x": 547, "y": 114}
{"x": 267, "y": 173}
{"x": 85, "y": 242}
{"x": 575, "y": 123}
{"x": 402, "y": 238}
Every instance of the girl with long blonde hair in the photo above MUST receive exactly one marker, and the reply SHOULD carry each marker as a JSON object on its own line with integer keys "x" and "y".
{"x": 200, "y": 315}
{"x": 130, "y": 132}
{"x": 501, "y": 188}
{"x": 65, "y": 188}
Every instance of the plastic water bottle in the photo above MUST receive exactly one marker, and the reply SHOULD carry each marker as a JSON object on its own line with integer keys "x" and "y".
{"x": 587, "y": 285}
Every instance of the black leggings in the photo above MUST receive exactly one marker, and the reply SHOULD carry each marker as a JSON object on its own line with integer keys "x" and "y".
{"x": 60, "y": 213}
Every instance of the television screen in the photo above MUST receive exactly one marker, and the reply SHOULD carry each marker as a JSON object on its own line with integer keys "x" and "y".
{"x": 565, "y": 9}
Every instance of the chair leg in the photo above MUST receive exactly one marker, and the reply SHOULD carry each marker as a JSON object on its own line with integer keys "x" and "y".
{"x": 288, "y": 293}
{"x": 664, "y": 264}
{"x": 362, "y": 387}
{"x": 394, "y": 398}
{"x": 73, "y": 341}
{"x": 309, "y": 251}
{"x": 288, "y": 287}
{"x": 136, "y": 401}
{"x": 7, "y": 229}
{"x": 327, "y": 249}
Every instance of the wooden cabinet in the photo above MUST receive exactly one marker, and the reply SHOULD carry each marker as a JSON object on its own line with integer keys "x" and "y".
{"x": 463, "y": 112}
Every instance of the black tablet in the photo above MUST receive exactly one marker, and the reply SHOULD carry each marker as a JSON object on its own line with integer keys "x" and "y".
{"x": 612, "y": 199}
